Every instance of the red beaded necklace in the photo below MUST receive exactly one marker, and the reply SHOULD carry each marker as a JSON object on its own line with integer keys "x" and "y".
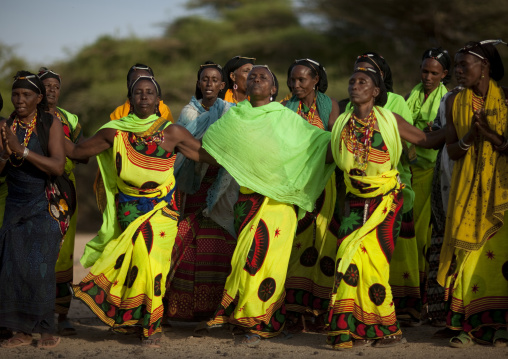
{"x": 360, "y": 137}
{"x": 29, "y": 130}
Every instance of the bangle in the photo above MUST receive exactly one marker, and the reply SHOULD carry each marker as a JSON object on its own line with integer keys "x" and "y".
{"x": 4, "y": 159}
{"x": 463, "y": 146}
{"x": 503, "y": 146}
{"x": 25, "y": 152}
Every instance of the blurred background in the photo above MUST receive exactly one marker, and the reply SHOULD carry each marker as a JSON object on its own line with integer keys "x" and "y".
{"x": 92, "y": 44}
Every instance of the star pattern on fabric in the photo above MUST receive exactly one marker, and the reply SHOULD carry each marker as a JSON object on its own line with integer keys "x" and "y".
{"x": 349, "y": 222}
{"x": 385, "y": 210}
{"x": 277, "y": 232}
{"x": 252, "y": 227}
{"x": 115, "y": 283}
{"x": 298, "y": 245}
{"x": 490, "y": 255}
{"x": 162, "y": 234}
{"x": 405, "y": 275}
{"x": 363, "y": 249}
{"x": 475, "y": 288}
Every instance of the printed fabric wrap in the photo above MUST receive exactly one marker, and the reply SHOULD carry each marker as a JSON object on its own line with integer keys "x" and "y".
{"x": 323, "y": 104}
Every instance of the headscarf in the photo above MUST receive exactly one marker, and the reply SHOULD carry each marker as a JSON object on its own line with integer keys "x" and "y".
{"x": 147, "y": 78}
{"x": 233, "y": 64}
{"x": 316, "y": 69}
{"x": 442, "y": 57}
{"x": 134, "y": 68}
{"x": 30, "y": 81}
{"x": 486, "y": 50}
{"x": 207, "y": 65}
{"x": 380, "y": 64}
{"x": 274, "y": 80}
{"x": 45, "y": 73}
{"x": 375, "y": 76}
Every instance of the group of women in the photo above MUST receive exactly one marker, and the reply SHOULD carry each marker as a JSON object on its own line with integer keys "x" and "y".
{"x": 272, "y": 217}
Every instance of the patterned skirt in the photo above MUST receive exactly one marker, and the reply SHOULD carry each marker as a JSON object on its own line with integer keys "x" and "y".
{"x": 254, "y": 293}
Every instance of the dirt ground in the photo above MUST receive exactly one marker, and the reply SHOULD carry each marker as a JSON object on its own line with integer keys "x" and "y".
{"x": 95, "y": 341}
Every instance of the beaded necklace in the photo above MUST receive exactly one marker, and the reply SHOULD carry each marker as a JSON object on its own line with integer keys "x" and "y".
{"x": 29, "y": 129}
{"x": 478, "y": 102}
{"x": 205, "y": 107}
{"x": 359, "y": 132}
{"x": 310, "y": 115}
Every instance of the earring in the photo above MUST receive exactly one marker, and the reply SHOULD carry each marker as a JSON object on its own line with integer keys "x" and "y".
{"x": 483, "y": 76}
{"x": 271, "y": 97}
{"x": 314, "y": 88}
{"x": 235, "y": 87}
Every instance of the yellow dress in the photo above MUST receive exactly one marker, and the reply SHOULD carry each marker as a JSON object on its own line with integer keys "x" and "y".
{"x": 126, "y": 284}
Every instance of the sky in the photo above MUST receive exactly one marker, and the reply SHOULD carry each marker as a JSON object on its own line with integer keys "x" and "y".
{"x": 43, "y": 31}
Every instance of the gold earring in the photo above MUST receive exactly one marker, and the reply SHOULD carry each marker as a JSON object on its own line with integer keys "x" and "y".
{"x": 483, "y": 76}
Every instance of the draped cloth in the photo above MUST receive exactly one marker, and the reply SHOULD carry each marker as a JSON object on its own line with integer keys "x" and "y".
{"x": 323, "y": 104}
{"x": 223, "y": 193}
{"x": 65, "y": 263}
{"x": 127, "y": 282}
{"x": 270, "y": 150}
{"x": 479, "y": 188}
{"x": 125, "y": 110}
{"x": 361, "y": 302}
{"x": 424, "y": 111}
{"x": 110, "y": 228}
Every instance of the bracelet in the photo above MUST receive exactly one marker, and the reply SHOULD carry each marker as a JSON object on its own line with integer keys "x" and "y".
{"x": 503, "y": 146}
{"x": 463, "y": 145}
{"x": 3, "y": 159}
{"x": 25, "y": 152}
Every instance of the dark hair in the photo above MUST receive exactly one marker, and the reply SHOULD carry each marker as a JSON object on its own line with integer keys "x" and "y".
{"x": 145, "y": 78}
{"x": 1, "y": 102}
{"x": 233, "y": 64}
{"x": 135, "y": 68}
{"x": 316, "y": 69}
{"x": 45, "y": 73}
{"x": 381, "y": 99}
{"x": 379, "y": 64}
{"x": 486, "y": 50}
{"x": 209, "y": 65}
{"x": 442, "y": 57}
{"x": 27, "y": 80}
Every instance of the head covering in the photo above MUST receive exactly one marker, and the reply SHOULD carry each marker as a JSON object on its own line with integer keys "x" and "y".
{"x": 486, "y": 50}
{"x": 233, "y": 64}
{"x": 208, "y": 65}
{"x": 45, "y": 73}
{"x": 374, "y": 74}
{"x": 274, "y": 80}
{"x": 27, "y": 80}
{"x": 442, "y": 57}
{"x": 380, "y": 64}
{"x": 147, "y": 78}
{"x": 316, "y": 70}
{"x": 1, "y": 102}
{"x": 134, "y": 68}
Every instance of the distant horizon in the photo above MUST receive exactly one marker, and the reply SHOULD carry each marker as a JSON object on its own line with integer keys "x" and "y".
{"x": 57, "y": 29}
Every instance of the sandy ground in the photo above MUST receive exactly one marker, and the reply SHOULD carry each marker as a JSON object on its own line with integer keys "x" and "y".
{"x": 95, "y": 341}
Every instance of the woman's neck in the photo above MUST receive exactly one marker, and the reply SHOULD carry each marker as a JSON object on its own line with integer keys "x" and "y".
{"x": 208, "y": 102}
{"x": 309, "y": 99}
{"x": 482, "y": 87}
{"x": 363, "y": 111}
{"x": 28, "y": 118}
{"x": 52, "y": 108}
{"x": 260, "y": 102}
{"x": 238, "y": 95}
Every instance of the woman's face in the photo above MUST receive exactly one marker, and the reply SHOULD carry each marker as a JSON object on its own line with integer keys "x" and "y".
{"x": 144, "y": 98}
{"x": 210, "y": 83}
{"x": 52, "y": 91}
{"x": 362, "y": 89}
{"x": 468, "y": 69}
{"x": 260, "y": 84}
{"x": 239, "y": 76}
{"x": 302, "y": 82}
{"x": 25, "y": 101}
{"x": 432, "y": 73}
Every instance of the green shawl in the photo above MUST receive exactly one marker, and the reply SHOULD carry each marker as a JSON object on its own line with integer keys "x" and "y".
{"x": 110, "y": 228}
{"x": 396, "y": 104}
{"x": 323, "y": 105}
{"x": 423, "y": 112}
{"x": 270, "y": 150}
